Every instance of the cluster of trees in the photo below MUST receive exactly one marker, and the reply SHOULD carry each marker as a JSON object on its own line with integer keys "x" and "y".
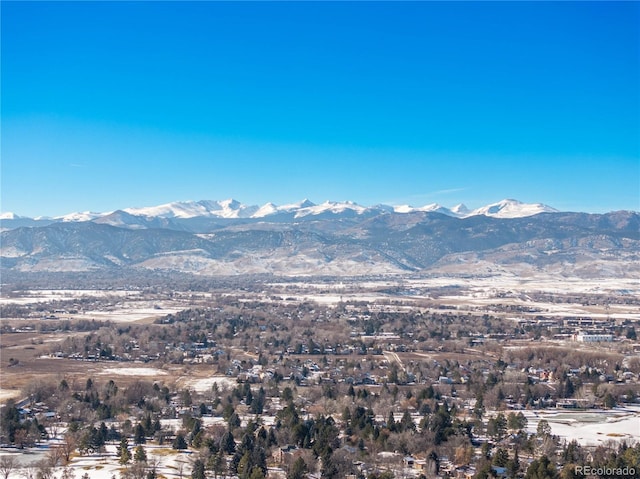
{"x": 15, "y": 431}
{"x": 328, "y": 441}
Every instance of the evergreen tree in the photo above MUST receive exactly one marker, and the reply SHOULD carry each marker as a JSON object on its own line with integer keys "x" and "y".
{"x": 478, "y": 410}
{"x": 228, "y": 443}
{"x": 257, "y": 404}
{"x": 497, "y": 427}
{"x": 326, "y": 436}
{"x": 271, "y": 438}
{"x": 139, "y": 434}
{"x": 179, "y": 442}
{"x": 298, "y": 469}
{"x": 123, "y": 452}
{"x": 256, "y": 473}
{"x": 500, "y": 458}
{"x": 241, "y": 464}
{"x": 234, "y": 421}
{"x": 197, "y": 472}
{"x": 440, "y": 423}
{"x": 513, "y": 465}
{"x": 541, "y": 469}
{"x": 104, "y": 433}
{"x": 543, "y": 430}
{"x": 10, "y": 422}
{"x": 217, "y": 463}
{"x": 140, "y": 455}
{"x": 516, "y": 422}
{"x": 609, "y": 401}
{"x": 328, "y": 469}
{"x": 483, "y": 470}
{"x": 391, "y": 422}
{"x": 568, "y": 388}
{"x": 113, "y": 434}
{"x": 198, "y": 440}
{"x": 147, "y": 424}
{"x": 406, "y": 423}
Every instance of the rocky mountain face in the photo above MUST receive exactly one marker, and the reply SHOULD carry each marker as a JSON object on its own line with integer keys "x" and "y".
{"x": 333, "y": 242}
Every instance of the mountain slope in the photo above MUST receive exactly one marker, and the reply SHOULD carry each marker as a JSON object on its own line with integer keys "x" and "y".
{"x": 324, "y": 242}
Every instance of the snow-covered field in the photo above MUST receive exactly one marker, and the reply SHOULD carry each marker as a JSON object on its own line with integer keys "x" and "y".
{"x": 126, "y": 306}
{"x": 542, "y": 282}
{"x": 480, "y": 292}
{"x": 591, "y": 427}
{"x": 206, "y": 384}
{"x": 135, "y": 371}
{"x": 41, "y": 296}
{"x": 129, "y": 314}
{"x": 171, "y": 463}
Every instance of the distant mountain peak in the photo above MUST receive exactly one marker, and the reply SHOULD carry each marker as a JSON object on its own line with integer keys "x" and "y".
{"x": 81, "y": 216}
{"x": 510, "y": 208}
{"x": 507, "y": 208}
{"x": 334, "y": 207}
{"x": 306, "y": 203}
{"x": 426, "y": 208}
{"x": 460, "y": 209}
{"x": 230, "y": 203}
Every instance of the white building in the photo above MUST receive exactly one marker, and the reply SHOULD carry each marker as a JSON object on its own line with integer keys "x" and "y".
{"x": 593, "y": 338}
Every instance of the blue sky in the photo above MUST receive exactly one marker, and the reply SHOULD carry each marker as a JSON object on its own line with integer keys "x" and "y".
{"x": 118, "y": 104}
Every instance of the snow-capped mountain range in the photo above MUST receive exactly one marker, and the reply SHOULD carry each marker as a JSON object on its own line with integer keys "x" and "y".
{"x": 328, "y": 239}
{"x": 232, "y": 209}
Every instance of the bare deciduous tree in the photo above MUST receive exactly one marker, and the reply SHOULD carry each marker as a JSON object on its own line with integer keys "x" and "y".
{"x": 7, "y": 465}
{"x": 68, "y": 445}
{"x": 29, "y": 471}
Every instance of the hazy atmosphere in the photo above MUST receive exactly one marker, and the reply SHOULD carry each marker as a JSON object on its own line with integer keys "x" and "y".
{"x": 108, "y": 105}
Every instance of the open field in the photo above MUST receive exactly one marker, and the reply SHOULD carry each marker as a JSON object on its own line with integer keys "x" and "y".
{"x": 590, "y": 427}
{"x": 169, "y": 462}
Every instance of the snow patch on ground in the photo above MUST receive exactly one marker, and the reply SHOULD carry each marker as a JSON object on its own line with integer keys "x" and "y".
{"x": 134, "y": 371}
{"x": 591, "y": 427}
{"x": 206, "y": 384}
{"x": 105, "y": 466}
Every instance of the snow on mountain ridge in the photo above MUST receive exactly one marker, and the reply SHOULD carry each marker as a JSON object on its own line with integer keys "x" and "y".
{"x": 184, "y": 209}
{"x": 229, "y": 208}
{"x": 81, "y": 216}
{"x": 232, "y": 209}
{"x": 433, "y": 207}
{"x": 331, "y": 207}
{"x": 460, "y": 209}
{"x": 269, "y": 209}
{"x": 510, "y": 208}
